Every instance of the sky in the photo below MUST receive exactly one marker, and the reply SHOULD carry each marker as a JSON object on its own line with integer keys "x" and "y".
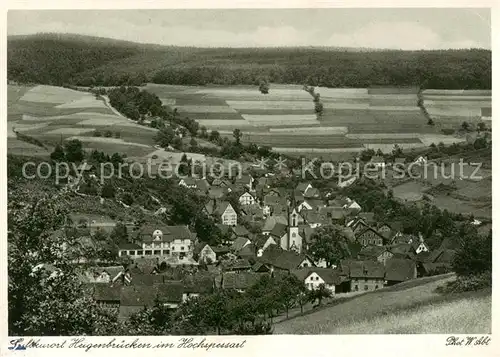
{"x": 407, "y": 29}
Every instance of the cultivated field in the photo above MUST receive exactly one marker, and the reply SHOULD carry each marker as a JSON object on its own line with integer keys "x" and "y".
{"x": 413, "y": 307}
{"x": 458, "y": 105}
{"x": 53, "y": 114}
{"x": 349, "y": 117}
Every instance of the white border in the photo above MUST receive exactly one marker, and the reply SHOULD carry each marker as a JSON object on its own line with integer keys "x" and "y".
{"x": 278, "y": 345}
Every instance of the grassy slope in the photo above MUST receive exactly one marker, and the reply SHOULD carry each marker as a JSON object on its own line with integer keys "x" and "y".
{"x": 416, "y": 308}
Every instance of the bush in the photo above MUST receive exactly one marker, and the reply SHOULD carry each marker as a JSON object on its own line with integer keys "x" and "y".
{"x": 468, "y": 283}
{"x": 447, "y": 131}
{"x": 108, "y": 134}
{"x": 97, "y": 133}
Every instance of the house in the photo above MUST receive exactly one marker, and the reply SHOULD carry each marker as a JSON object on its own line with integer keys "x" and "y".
{"x": 310, "y": 205}
{"x": 311, "y": 192}
{"x": 399, "y": 270}
{"x": 238, "y": 281}
{"x": 197, "y": 284}
{"x": 204, "y": 253}
{"x": 160, "y": 241}
{"x": 262, "y": 242}
{"x": 253, "y": 213}
{"x": 420, "y": 160}
{"x": 248, "y": 252}
{"x": 364, "y": 275}
{"x": 375, "y": 252}
{"x": 187, "y": 182}
{"x": 223, "y": 211}
{"x": 369, "y": 236}
{"x": 377, "y": 161}
{"x": 439, "y": 261}
{"x": 246, "y": 199}
{"x": 286, "y": 260}
{"x": 331, "y": 278}
{"x": 246, "y": 181}
{"x": 103, "y": 275}
{"x": 302, "y": 187}
{"x": 271, "y": 221}
{"x": 105, "y": 295}
{"x": 239, "y": 231}
{"x": 239, "y": 244}
{"x": 238, "y": 265}
{"x": 419, "y": 246}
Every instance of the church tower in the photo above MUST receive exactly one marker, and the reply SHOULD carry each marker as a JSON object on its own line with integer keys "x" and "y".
{"x": 294, "y": 238}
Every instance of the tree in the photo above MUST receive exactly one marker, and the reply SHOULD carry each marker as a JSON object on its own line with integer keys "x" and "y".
{"x": 203, "y": 133}
{"x": 290, "y": 287}
{"x": 322, "y": 292}
{"x": 155, "y": 320}
{"x": 481, "y": 126}
{"x": 193, "y": 142}
{"x": 465, "y": 126}
{"x": 397, "y": 151}
{"x": 46, "y": 297}
{"x": 108, "y": 134}
{"x": 119, "y": 233}
{"x": 318, "y": 108}
{"x": 108, "y": 190}
{"x": 128, "y": 199}
{"x": 237, "y": 136}
{"x": 264, "y": 86}
{"x": 74, "y": 150}
{"x": 58, "y": 154}
{"x": 214, "y": 136}
{"x": 379, "y": 153}
{"x": 164, "y": 137}
{"x": 430, "y": 122}
{"x": 474, "y": 255}
{"x": 328, "y": 243}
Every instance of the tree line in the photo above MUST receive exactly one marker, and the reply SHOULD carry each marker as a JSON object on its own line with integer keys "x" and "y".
{"x": 74, "y": 61}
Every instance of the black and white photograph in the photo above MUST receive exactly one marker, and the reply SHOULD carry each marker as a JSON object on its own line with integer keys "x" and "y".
{"x": 240, "y": 172}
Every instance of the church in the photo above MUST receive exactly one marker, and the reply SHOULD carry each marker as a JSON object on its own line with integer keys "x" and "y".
{"x": 288, "y": 235}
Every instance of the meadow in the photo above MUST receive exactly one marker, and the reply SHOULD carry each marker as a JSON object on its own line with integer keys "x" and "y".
{"x": 413, "y": 307}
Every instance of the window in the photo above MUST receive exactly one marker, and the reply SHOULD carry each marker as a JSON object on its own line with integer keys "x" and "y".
{"x": 124, "y": 252}
{"x": 166, "y": 252}
{"x": 366, "y": 280}
{"x": 140, "y": 252}
{"x": 157, "y": 245}
{"x": 131, "y": 252}
{"x": 157, "y": 252}
{"x": 173, "y": 248}
{"x": 182, "y": 248}
{"x": 294, "y": 234}
{"x": 355, "y": 288}
{"x": 376, "y": 287}
{"x": 366, "y": 287}
{"x": 148, "y": 252}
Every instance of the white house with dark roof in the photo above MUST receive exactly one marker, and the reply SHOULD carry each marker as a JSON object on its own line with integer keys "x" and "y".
{"x": 222, "y": 210}
{"x": 160, "y": 241}
{"x": 247, "y": 199}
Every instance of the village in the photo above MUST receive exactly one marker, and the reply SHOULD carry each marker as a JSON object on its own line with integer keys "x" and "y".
{"x": 170, "y": 263}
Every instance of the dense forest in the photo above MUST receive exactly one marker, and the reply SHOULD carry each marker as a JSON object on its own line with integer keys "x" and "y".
{"x": 81, "y": 60}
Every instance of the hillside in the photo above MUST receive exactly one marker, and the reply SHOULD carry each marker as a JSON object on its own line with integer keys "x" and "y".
{"x": 413, "y": 307}
{"x": 71, "y": 59}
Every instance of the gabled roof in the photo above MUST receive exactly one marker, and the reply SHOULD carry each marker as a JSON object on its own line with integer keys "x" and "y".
{"x": 400, "y": 269}
{"x": 169, "y": 233}
{"x": 246, "y": 193}
{"x": 129, "y": 246}
{"x": 105, "y": 292}
{"x": 372, "y": 251}
{"x": 302, "y": 186}
{"x": 245, "y": 179}
{"x": 272, "y": 221}
{"x": 366, "y": 269}
{"x": 333, "y": 212}
{"x": 146, "y": 279}
{"x": 170, "y": 292}
{"x": 282, "y": 259}
{"x": 274, "y": 200}
{"x": 239, "y": 243}
{"x": 202, "y": 184}
{"x": 239, "y": 281}
{"x": 279, "y": 230}
{"x": 216, "y": 192}
{"x": 368, "y": 217}
{"x": 442, "y": 256}
{"x": 329, "y": 276}
{"x": 248, "y": 251}
{"x": 240, "y": 231}
{"x": 401, "y": 248}
{"x": 137, "y": 296}
{"x": 200, "y": 283}
{"x": 217, "y": 207}
{"x": 239, "y": 264}
{"x": 311, "y": 192}
{"x": 366, "y": 229}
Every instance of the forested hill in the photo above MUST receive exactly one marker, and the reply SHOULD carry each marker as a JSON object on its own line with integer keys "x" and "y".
{"x": 81, "y": 60}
